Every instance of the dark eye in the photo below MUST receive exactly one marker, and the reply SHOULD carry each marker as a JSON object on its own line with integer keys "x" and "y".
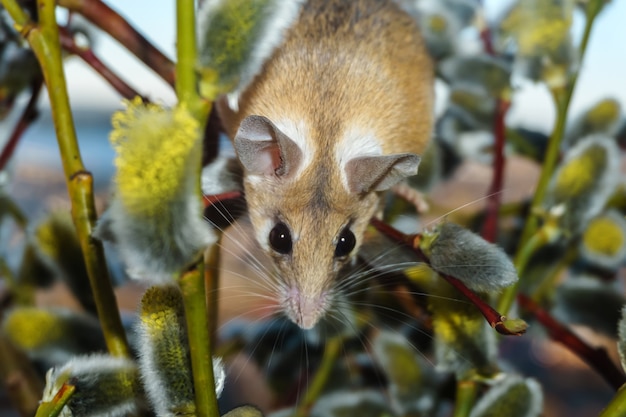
{"x": 280, "y": 238}
{"x": 345, "y": 243}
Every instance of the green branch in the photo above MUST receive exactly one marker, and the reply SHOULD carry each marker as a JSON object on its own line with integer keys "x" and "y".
{"x": 194, "y": 298}
{"x": 562, "y": 97}
{"x": 331, "y": 352}
{"x": 186, "y": 79}
{"x": 44, "y": 40}
{"x": 466, "y": 391}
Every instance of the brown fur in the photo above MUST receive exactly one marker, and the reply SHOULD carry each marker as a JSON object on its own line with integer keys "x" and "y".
{"x": 343, "y": 63}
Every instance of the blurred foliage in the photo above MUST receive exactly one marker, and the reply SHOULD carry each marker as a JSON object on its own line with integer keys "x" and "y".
{"x": 412, "y": 344}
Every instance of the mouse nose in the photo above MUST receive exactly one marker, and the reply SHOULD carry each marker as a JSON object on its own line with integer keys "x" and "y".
{"x": 305, "y": 309}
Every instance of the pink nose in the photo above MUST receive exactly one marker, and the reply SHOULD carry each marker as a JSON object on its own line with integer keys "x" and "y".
{"x": 304, "y": 309}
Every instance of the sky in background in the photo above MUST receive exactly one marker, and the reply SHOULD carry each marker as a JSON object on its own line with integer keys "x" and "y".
{"x": 603, "y": 70}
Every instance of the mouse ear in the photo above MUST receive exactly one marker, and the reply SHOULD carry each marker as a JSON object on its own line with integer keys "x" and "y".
{"x": 379, "y": 173}
{"x": 263, "y": 149}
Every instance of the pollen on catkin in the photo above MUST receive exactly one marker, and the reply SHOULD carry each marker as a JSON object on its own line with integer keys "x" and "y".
{"x": 153, "y": 146}
{"x": 583, "y": 183}
{"x": 155, "y": 218}
{"x": 539, "y": 27}
{"x": 164, "y": 353}
{"x": 603, "y": 242}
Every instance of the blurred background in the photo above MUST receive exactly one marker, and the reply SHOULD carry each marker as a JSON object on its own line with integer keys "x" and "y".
{"x": 38, "y": 184}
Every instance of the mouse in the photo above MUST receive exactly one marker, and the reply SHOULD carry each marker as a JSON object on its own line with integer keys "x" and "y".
{"x": 338, "y": 115}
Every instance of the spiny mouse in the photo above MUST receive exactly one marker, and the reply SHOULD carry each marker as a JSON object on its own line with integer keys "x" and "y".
{"x": 339, "y": 113}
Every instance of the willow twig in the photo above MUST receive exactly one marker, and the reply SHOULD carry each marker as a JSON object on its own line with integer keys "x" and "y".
{"x": 494, "y": 199}
{"x": 498, "y": 321}
{"x": 313, "y": 392}
{"x": 28, "y": 116}
{"x": 466, "y": 391}
{"x": 44, "y": 41}
{"x": 87, "y": 55}
{"x": 101, "y": 15}
{"x": 562, "y": 97}
{"x": 193, "y": 287}
{"x": 597, "y": 358}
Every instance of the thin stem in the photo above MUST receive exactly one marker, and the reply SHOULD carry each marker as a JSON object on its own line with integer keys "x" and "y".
{"x": 194, "y": 297}
{"x": 494, "y": 200}
{"x": 562, "y": 98}
{"x": 54, "y": 407}
{"x": 541, "y": 238}
{"x": 98, "y": 13}
{"x": 546, "y": 285}
{"x": 44, "y": 41}
{"x": 10, "y": 207}
{"x": 211, "y": 279}
{"x": 597, "y": 358}
{"x": 28, "y": 116}
{"x": 466, "y": 391}
{"x": 331, "y": 352}
{"x": 186, "y": 79}
{"x": 503, "y": 325}
{"x": 87, "y": 55}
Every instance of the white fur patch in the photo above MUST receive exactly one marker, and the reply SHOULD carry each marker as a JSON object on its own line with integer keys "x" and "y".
{"x": 355, "y": 143}
{"x": 299, "y": 132}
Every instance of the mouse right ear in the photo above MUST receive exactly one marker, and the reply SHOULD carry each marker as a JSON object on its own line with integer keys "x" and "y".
{"x": 264, "y": 150}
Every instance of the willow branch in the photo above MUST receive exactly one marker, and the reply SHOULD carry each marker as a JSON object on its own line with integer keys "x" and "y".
{"x": 494, "y": 195}
{"x": 562, "y": 98}
{"x": 88, "y": 56}
{"x": 496, "y": 320}
{"x": 44, "y": 41}
{"x": 331, "y": 352}
{"x": 193, "y": 287}
{"x": 28, "y": 116}
{"x": 101, "y": 15}
{"x": 597, "y": 358}
{"x": 466, "y": 392}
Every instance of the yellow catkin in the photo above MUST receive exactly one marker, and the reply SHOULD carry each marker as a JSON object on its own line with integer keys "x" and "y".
{"x": 539, "y": 26}
{"x": 603, "y": 113}
{"x": 153, "y": 146}
{"x": 579, "y": 174}
{"x": 31, "y": 328}
{"x": 604, "y": 237}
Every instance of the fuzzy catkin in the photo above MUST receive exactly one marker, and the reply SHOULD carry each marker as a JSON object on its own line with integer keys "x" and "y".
{"x": 105, "y": 386}
{"x": 462, "y": 254}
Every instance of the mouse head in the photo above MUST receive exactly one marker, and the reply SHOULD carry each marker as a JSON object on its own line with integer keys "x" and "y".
{"x": 309, "y": 209}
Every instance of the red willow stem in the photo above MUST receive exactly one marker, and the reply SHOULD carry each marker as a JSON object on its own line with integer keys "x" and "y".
{"x": 87, "y": 55}
{"x": 495, "y": 319}
{"x": 117, "y": 27}
{"x": 597, "y": 358}
{"x": 494, "y": 196}
{"x": 28, "y": 116}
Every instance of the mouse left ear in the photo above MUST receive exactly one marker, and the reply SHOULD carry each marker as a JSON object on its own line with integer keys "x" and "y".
{"x": 263, "y": 149}
{"x": 379, "y": 173}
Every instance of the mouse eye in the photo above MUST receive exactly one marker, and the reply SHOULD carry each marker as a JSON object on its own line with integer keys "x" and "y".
{"x": 345, "y": 243}
{"x": 280, "y": 238}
